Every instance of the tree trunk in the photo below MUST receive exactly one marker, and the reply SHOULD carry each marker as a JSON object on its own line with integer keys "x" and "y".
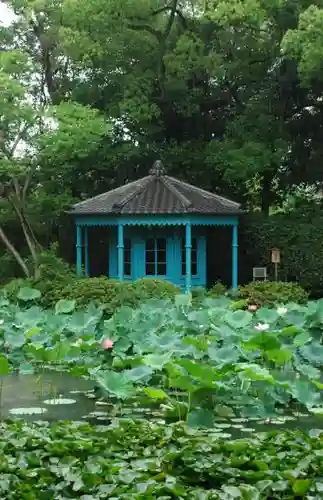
{"x": 266, "y": 194}
{"x": 30, "y": 240}
{"x": 18, "y": 200}
{"x": 14, "y": 252}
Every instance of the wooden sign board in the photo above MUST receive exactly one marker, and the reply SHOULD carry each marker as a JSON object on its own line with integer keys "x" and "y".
{"x": 275, "y": 256}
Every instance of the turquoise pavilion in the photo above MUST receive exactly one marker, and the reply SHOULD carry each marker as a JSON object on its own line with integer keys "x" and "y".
{"x": 156, "y": 227}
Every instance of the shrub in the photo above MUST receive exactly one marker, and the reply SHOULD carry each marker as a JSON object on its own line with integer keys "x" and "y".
{"x": 217, "y": 290}
{"x": 8, "y": 267}
{"x": 112, "y": 294}
{"x": 52, "y": 267}
{"x": 198, "y": 294}
{"x": 269, "y": 293}
{"x": 299, "y": 235}
{"x": 147, "y": 288}
{"x": 55, "y": 274}
{"x": 99, "y": 290}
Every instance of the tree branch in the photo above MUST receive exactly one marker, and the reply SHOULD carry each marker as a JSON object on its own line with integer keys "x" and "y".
{"x": 19, "y": 137}
{"x": 161, "y": 37}
{"x": 145, "y": 27}
{"x": 27, "y": 184}
{"x": 173, "y": 8}
{"x": 177, "y": 12}
{"x": 28, "y": 237}
{"x": 14, "y": 252}
{"x": 18, "y": 203}
{"x": 46, "y": 63}
{"x": 21, "y": 195}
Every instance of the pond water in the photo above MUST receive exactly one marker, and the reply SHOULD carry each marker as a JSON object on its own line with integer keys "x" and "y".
{"x": 33, "y": 392}
{"x": 59, "y": 396}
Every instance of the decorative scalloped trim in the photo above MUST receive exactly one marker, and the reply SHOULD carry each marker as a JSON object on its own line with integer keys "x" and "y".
{"x": 95, "y": 221}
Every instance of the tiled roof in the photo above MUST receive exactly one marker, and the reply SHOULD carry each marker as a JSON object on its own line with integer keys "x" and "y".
{"x": 155, "y": 194}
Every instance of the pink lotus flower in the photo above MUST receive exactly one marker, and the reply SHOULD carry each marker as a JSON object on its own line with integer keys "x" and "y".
{"x": 252, "y": 308}
{"x": 107, "y": 344}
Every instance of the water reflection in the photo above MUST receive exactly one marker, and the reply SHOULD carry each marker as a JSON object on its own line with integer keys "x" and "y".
{"x": 30, "y": 391}
{"x": 34, "y": 392}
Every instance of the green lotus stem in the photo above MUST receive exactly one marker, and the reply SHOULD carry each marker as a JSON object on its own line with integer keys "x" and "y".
{"x": 1, "y": 391}
{"x": 189, "y": 401}
{"x": 178, "y": 406}
{"x": 58, "y": 352}
{"x": 41, "y": 379}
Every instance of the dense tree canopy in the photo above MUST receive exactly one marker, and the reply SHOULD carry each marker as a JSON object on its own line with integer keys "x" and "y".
{"x": 228, "y": 93}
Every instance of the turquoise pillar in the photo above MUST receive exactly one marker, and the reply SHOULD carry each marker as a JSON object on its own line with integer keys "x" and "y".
{"x": 235, "y": 257}
{"x": 120, "y": 246}
{"x": 78, "y": 250}
{"x": 86, "y": 251}
{"x": 188, "y": 252}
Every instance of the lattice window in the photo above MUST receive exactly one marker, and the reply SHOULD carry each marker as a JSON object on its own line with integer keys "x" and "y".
{"x": 156, "y": 257}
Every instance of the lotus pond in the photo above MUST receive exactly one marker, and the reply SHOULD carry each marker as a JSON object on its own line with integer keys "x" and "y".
{"x": 193, "y": 364}
{"x": 213, "y": 375}
{"x": 145, "y": 460}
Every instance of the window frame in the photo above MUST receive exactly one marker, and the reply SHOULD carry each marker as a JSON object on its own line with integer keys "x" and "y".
{"x": 154, "y": 251}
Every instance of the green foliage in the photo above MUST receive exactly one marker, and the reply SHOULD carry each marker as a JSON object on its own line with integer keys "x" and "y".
{"x": 218, "y": 357}
{"x": 198, "y": 294}
{"x": 8, "y": 267}
{"x": 240, "y": 304}
{"x": 100, "y": 291}
{"x": 217, "y": 290}
{"x": 299, "y": 235}
{"x": 74, "y": 460}
{"x": 29, "y": 139}
{"x": 33, "y": 336}
{"x": 80, "y": 130}
{"x": 111, "y": 294}
{"x": 305, "y": 44}
{"x": 27, "y": 294}
{"x": 52, "y": 267}
{"x": 12, "y": 288}
{"x": 207, "y": 87}
{"x": 147, "y": 288}
{"x": 271, "y": 293}
{"x": 55, "y": 274}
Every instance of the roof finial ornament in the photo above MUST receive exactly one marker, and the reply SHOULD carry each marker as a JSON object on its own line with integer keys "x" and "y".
{"x": 157, "y": 169}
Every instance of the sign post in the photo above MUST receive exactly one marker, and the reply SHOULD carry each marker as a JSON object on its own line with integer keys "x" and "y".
{"x": 275, "y": 259}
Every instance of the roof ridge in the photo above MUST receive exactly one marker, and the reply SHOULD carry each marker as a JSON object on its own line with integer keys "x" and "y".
{"x": 204, "y": 191}
{"x": 120, "y": 204}
{"x": 185, "y": 202}
{"x": 98, "y": 196}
